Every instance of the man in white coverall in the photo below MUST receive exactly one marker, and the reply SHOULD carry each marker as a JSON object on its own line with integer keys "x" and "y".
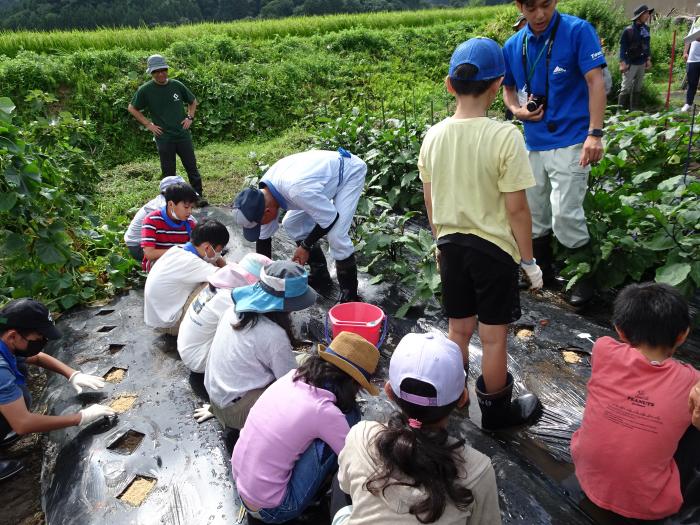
{"x": 320, "y": 189}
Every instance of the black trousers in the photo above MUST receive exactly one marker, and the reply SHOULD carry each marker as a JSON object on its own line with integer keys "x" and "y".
{"x": 693, "y": 77}
{"x": 185, "y": 150}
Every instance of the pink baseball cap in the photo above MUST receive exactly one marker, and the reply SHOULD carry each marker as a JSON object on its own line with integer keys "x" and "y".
{"x": 433, "y": 359}
{"x": 243, "y": 273}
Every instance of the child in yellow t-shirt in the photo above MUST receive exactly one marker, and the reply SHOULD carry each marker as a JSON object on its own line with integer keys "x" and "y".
{"x": 475, "y": 171}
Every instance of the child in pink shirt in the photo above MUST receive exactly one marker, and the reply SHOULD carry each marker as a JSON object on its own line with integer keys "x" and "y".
{"x": 637, "y": 407}
{"x": 291, "y": 439}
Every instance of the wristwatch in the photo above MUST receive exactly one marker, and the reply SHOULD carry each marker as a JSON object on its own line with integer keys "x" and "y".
{"x": 598, "y": 133}
{"x": 189, "y": 117}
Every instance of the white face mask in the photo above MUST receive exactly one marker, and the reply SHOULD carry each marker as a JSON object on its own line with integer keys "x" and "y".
{"x": 213, "y": 258}
{"x": 174, "y": 215}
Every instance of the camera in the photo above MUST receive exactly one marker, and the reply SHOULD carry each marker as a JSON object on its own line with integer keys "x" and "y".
{"x": 535, "y": 102}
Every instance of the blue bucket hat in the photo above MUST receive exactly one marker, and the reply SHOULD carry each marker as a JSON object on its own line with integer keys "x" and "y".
{"x": 283, "y": 287}
{"x": 481, "y": 52}
{"x": 248, "y": 211}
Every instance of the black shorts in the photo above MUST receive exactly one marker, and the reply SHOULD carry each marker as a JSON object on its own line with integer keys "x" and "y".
{"x": 476, "y": 283}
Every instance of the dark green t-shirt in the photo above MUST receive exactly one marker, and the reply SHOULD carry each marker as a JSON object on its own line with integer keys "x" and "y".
{"x": 166, "y": 105}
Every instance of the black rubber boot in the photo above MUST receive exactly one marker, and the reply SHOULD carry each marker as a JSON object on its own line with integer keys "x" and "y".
{"x": 347, "y": 279}
{"x": 264, "y": 247}
{"x": 9, "y": 468}
{"x": 499, "y": 411}
{"x": 542, "y": 251}
{"x": 319, "y": 277}
{"x": 584, "y": 289}
{"x": 582, "y": 292}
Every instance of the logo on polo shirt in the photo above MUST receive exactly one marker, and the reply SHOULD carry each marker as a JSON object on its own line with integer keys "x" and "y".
{"x": 176, "y": 97}
{"x": 597, "y": 54}
{"x": 558, "y": 70}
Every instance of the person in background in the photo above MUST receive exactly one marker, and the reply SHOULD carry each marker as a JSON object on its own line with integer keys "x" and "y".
{"x": 691, "y": 54}
{"x": 483, "y": 235}
{"x": 637, "y": 396}
{"x": 132, "y": 236}
{"x": 635, "y": 57}
{"x": 168, "y": 226}
{"x": 25, "y": 328}
{"x": 290, "y": 443}
{"x": 554, "y": 84}
{"x": 519, "y": 23}
{"x": 165, "y": 100}
{"x": 199, "y": 324}
{"x": 320, "y": 189}
{"x": 253, "y": 344}
{"x": 178, "y": 276}
{"x": 411, "y": 470}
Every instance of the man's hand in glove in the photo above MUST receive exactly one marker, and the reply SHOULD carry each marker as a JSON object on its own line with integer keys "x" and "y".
{"x": 80, "y": 381}
{"x": 203, "y": 413}
{"x": 534, "y": 274}
{"x": 93, "y": 413}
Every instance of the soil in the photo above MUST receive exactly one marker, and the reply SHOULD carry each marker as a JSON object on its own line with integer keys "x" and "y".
{"x": 115, "y": 375}
{"x": 20, "y": 498}
{"x": 137, "y": 491}
{"x": 123, "y": 403}
{"x": 127, "y": 443}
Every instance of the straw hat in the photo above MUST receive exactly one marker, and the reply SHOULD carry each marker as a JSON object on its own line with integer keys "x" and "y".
{"x": 355, "y": 356}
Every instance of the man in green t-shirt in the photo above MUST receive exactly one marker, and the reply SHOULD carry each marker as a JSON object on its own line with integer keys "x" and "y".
{"x": 165, "y": 99}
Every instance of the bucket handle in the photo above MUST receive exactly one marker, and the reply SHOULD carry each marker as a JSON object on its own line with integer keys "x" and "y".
{"x": 382, "y": 336}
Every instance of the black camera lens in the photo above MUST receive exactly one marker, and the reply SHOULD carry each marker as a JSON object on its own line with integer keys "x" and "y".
{"x": 532, "y": 106}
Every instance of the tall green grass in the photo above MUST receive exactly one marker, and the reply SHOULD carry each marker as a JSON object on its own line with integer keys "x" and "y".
{"x": 11, "y": 42}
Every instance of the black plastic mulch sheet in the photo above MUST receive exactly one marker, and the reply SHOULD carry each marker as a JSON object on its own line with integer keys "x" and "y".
{"x": 85, "y": 471}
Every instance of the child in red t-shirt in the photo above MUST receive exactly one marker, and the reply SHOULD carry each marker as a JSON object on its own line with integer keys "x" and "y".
{"x": 168, "y": 226}
{"x": 637, "y": 407}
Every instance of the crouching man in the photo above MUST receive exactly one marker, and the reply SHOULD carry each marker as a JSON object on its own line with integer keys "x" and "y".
{"x": 25, "y": 328}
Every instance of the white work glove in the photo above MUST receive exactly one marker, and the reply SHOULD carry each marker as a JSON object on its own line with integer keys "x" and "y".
{"x": 203, "y": 413}
{"x": 534, "y": 274}
{"x": 80, "y": 381}
{"x": 93, "y": 413}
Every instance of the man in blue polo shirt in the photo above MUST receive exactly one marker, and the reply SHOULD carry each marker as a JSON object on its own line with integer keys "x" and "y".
{"x": 25, "y": 328}
{"x": 554, "y": 84}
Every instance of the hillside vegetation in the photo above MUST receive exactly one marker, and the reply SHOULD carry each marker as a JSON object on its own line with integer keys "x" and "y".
{"x": 370, "y": 82}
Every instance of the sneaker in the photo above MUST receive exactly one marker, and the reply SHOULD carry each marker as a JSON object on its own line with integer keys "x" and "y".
{"x": 686, "y": 108}
{"x": 9, "y": 468}
{"x": 9, "y": 439}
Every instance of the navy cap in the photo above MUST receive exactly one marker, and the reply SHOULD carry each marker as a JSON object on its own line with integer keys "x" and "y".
{"x": 481, "y": 52}
{"x": 28, "y": 314}
{"x": 248, "y": 211}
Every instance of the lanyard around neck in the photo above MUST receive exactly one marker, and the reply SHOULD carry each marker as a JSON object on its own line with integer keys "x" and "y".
{"x": 549, "y": 44}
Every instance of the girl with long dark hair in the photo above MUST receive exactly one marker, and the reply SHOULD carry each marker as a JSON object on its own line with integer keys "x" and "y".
{"x": 411, "y": 470}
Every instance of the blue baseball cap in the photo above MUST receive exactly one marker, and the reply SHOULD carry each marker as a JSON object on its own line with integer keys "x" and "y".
{"x": 283, "y": 287}
{"x": 248, "y": 211}
{"x": 483, "y": 53}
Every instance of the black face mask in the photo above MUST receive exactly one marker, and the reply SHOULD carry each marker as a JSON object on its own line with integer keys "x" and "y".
{"x": 33, "y": 348}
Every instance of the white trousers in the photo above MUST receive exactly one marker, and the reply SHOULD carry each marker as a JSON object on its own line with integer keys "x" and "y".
{"x": 298, "y": 224}
{"x": 556, "y": 202}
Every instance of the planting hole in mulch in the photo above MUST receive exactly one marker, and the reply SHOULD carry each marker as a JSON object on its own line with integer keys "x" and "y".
{"x": 106, "y": 311}
{"x": 123, "y": 403}
{"x": 137, "y": 491}
{"x": 127, "y": 443}
{"x": 115, "y": 375}
{"x": 106, "y": 328}
{"x": 524, "y": 331}
{"x": 115, "y": 347}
